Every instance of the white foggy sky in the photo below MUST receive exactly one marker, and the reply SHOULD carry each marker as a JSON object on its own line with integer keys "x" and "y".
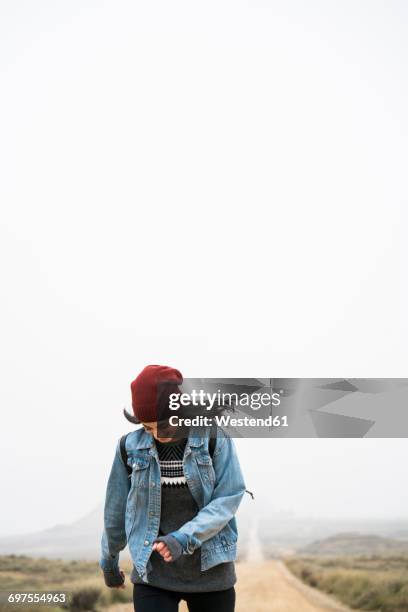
{"x": 217, "y": 186}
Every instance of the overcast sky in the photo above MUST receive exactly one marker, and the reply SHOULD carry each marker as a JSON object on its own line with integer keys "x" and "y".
{"x": 219, "y": 186}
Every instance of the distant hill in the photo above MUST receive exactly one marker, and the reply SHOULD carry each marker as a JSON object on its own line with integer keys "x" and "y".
{"x": 354, "y": 543}
{"x": 77, "y": 540}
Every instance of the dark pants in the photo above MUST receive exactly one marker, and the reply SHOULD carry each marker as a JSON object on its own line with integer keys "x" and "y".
{"x": 148, "y": 598}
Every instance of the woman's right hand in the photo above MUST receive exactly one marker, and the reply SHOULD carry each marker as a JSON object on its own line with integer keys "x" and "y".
{"x": 164, "y": 550}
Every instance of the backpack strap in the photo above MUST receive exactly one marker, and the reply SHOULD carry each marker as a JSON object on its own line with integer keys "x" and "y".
{"x": 213, "y": 440}
{"x": 124, "y": 453}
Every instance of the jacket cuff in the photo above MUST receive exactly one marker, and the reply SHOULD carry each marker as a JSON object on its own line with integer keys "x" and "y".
{"x": 110, "y": 564}
{"x": 172, "y": 543}
{"x": 188, "y": 544}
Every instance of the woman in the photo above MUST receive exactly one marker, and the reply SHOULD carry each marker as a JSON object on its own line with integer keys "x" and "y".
{"x": 176, "y": 511}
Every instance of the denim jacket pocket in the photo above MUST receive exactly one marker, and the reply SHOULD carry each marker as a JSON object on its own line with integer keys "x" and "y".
{"x": 140, "y": 474}
{"x": 225, "y": 540}
{"x": 205, "y": 467}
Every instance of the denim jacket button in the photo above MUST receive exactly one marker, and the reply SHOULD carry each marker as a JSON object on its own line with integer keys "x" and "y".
{"x": 146, "y": 542}
{"x": 153, "y": 484}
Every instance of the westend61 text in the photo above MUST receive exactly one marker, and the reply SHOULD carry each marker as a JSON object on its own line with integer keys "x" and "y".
{"x": 229, "y": 421}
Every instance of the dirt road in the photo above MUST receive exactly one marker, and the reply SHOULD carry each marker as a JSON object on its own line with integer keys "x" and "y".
{"x": 267, "y": 586}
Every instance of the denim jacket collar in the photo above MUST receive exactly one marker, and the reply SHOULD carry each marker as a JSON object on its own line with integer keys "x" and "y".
{"x": 194, "y": 439}
{"x": 145, "y": 440}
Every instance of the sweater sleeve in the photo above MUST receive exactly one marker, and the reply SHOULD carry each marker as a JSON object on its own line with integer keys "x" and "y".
{"x": 173, "y": 545}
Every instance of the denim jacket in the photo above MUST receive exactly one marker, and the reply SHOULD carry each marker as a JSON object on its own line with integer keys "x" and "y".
{"x": 133, "y": 502}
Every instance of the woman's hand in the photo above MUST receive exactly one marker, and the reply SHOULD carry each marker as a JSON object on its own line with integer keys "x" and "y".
{"x": 122, "y": 586}
{"x": 168, "y": 547}
{"x": 163, "y": 549}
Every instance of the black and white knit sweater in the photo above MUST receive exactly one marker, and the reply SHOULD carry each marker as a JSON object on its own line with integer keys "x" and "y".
{"x": 171, "y": 463}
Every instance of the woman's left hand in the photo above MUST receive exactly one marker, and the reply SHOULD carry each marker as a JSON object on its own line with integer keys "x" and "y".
{"x": 163, "y": 549}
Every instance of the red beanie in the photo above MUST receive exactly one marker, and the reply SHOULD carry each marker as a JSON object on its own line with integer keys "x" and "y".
{"x": 146, "y": 392}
